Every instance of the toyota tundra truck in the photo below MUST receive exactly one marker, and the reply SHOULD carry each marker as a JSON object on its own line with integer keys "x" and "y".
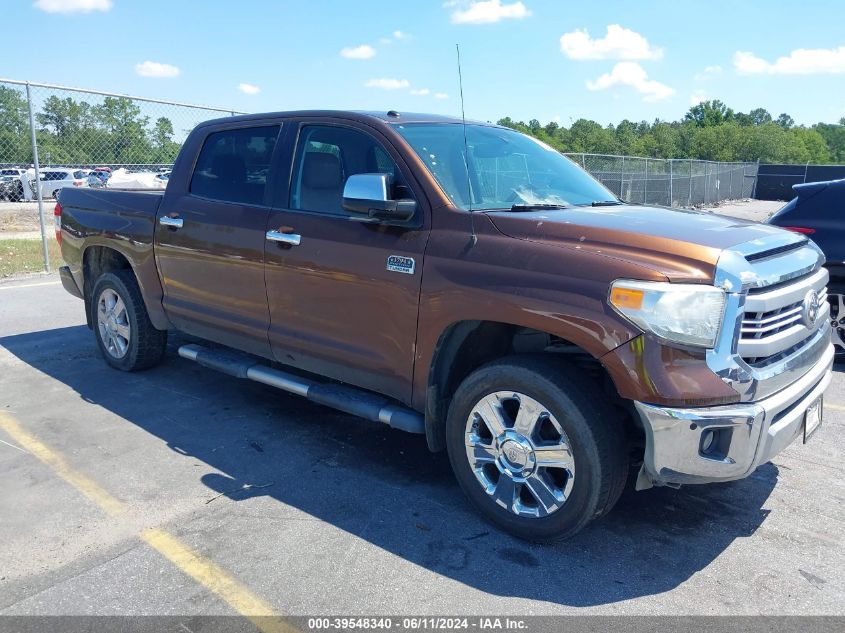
{"x": 469, "y": 283}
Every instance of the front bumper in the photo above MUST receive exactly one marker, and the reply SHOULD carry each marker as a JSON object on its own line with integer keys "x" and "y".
{"x": 745, "y": 435}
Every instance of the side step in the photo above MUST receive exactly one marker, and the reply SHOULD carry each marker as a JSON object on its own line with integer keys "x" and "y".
{"x": 347, "y": 399}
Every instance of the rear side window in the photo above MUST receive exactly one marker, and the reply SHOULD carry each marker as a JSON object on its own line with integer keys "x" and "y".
{"x": 233, "y": 165}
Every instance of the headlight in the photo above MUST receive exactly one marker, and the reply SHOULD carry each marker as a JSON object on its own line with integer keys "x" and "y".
{"x": 683, "y": 313}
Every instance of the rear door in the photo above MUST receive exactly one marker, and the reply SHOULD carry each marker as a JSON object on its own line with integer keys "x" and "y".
{"x": 337, "y": 306}
{"x": 209, "y": 240}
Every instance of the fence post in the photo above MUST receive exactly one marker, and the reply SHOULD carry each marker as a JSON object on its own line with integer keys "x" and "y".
{"x": 731, "y": 185}
{"x": 583, "y": 162}
{"x": 806, "y": 167}
{"x": 645, "y": 183}
{"x": 671, "y": 184}
{"x": 622, "y": 180}
{"x": 706, "y": 166}
{"x": 689, "y": 195}
{"x": 37, "y": 180}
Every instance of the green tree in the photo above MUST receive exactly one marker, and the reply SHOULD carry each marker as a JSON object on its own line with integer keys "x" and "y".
{"x": 14, "y": 127}
{"x": 709, "y": 113}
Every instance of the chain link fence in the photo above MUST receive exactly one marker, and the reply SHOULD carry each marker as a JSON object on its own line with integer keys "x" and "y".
{"x": 56, "y": 136}
{"x": 670, "y": 182}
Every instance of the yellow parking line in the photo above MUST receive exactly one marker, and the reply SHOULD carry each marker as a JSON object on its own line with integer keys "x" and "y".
{"x": 43, "y": 283}
{"x": 55, "y": 461}
{"x": 209, "y": 575}
{"x": 201, "y": 569}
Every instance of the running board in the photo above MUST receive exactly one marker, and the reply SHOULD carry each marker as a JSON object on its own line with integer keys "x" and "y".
{"x": 347, "y": 399}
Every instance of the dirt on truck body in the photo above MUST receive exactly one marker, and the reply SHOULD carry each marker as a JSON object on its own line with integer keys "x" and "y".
{"x": 468, "y": 283}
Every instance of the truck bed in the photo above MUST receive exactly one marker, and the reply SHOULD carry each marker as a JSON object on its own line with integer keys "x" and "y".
{"x": 112, "y": 201}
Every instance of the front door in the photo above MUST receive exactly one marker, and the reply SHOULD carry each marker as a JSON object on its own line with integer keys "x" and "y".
{"x": 209, "y": 241}
{"x": 344, "y": 300}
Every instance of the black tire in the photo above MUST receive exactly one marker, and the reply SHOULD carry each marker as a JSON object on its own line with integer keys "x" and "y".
{"x": 594, "y": 430}
{"x": 835, "y": 290}
{"x": 146, "y": 345}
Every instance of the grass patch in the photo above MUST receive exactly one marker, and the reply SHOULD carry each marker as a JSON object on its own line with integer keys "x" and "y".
{"x": 25, "y": 256}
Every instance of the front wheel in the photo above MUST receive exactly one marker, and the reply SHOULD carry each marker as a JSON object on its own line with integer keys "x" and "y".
{"x": 535, "y": 447}
{"x": 125, "y": 335}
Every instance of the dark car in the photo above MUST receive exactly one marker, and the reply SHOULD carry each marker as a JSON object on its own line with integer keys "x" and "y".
{"x": 11, "y": 187}
{"x": 817, "y": 212}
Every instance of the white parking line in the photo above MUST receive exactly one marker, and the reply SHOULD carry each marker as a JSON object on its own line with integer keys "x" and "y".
{"x": 43, "y": 283}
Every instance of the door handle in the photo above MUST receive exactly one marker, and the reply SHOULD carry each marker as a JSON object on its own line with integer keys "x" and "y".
{"x": 173, "y": 223}
{"x": 291, "y": 239}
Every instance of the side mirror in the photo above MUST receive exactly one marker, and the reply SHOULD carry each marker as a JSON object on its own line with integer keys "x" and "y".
{"x": 369, "y": 195}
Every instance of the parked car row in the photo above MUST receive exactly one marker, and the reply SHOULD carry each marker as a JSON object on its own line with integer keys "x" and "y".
{"x": 18, "y": 183}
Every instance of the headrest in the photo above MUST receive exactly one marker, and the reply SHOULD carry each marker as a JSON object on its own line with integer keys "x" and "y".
{"x": 321, "y": 171}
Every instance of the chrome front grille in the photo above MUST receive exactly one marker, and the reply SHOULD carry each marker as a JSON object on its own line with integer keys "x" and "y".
{"x": 774, "y": 323}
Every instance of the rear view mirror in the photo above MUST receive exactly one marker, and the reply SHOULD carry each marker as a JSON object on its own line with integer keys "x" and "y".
{"x": 369, "y": 195}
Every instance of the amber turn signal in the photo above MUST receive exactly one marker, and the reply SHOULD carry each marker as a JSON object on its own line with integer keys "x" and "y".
{"x": 627, "y": 298}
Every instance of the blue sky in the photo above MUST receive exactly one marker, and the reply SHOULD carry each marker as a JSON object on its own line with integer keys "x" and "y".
{"x": 546, "y": 59}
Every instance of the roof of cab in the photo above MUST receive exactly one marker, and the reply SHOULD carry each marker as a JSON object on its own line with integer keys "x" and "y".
{"x": 387, "y": 116}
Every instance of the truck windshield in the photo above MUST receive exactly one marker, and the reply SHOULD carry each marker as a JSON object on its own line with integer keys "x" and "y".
{"x": 503, "y": 169}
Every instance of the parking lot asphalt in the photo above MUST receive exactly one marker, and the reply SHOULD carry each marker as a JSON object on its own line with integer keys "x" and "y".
{"x": 183, "y": 491}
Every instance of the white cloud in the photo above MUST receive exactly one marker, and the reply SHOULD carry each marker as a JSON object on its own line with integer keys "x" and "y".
{"x": 155, "y": 69}
{"x": 400, "y": 35}
{"x": 697, "y": 97}
{"x": 441, "y": 95}
{"x": 365, "y": 51}
{"x": 633, "y": 75}
{"x": 420, "y": 91}
{"x": 73, "y": 6}
{"x": 802, "y": 61}
{"x": 386, "y": 83}
{"x": 486, "y": 11}
{"x": 249, "y": 89}
{"x": 618, "y": 43}
{"x": 708, "y": 72}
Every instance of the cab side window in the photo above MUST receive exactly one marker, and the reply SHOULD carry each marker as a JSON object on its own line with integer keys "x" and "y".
{"x": 233, "y": 165}
{"x": 325, "y": 157}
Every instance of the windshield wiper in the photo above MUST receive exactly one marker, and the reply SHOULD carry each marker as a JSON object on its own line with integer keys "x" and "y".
{"x": 605, "y": 203}
{"x": 537, "y": 207}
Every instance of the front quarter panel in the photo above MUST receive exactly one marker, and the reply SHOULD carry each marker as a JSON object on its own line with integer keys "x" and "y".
{"x": 559, "y": 291}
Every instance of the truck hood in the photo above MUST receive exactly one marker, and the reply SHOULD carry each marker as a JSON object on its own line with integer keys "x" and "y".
{"x": 682, "y": 245}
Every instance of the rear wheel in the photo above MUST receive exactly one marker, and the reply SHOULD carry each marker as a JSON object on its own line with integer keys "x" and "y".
{"x": 536, "y": 448}
{"x": 836, "y": 299}
{"x": 125, "y": 335}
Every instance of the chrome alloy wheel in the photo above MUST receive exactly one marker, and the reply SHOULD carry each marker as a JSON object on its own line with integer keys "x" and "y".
{"x": 837, "y": 323}
{"x": 519, "y": 454}
{"x": 113, "y": 323}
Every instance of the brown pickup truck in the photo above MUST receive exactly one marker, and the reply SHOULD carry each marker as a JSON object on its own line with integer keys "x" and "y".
{"x": 471, "y": 284}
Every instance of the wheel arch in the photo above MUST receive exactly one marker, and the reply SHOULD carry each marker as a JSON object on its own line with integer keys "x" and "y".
{"x": 466, "y": 345}
{"x": 98, "y": 259}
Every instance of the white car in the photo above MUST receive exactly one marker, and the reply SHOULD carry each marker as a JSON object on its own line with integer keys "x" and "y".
{"x": 53, "y": 179}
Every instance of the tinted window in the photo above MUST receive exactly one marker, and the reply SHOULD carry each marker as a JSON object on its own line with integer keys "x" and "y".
{"x": 79, "y": 174}
{"x": 233, "y": 165}
{"x": 326, "y": 157}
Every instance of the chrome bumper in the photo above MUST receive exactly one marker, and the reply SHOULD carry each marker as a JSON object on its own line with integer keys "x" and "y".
{"x": 744, "y": 436}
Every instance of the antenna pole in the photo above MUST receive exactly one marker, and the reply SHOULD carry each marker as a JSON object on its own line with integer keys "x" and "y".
{"x": 466, "y": 145}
